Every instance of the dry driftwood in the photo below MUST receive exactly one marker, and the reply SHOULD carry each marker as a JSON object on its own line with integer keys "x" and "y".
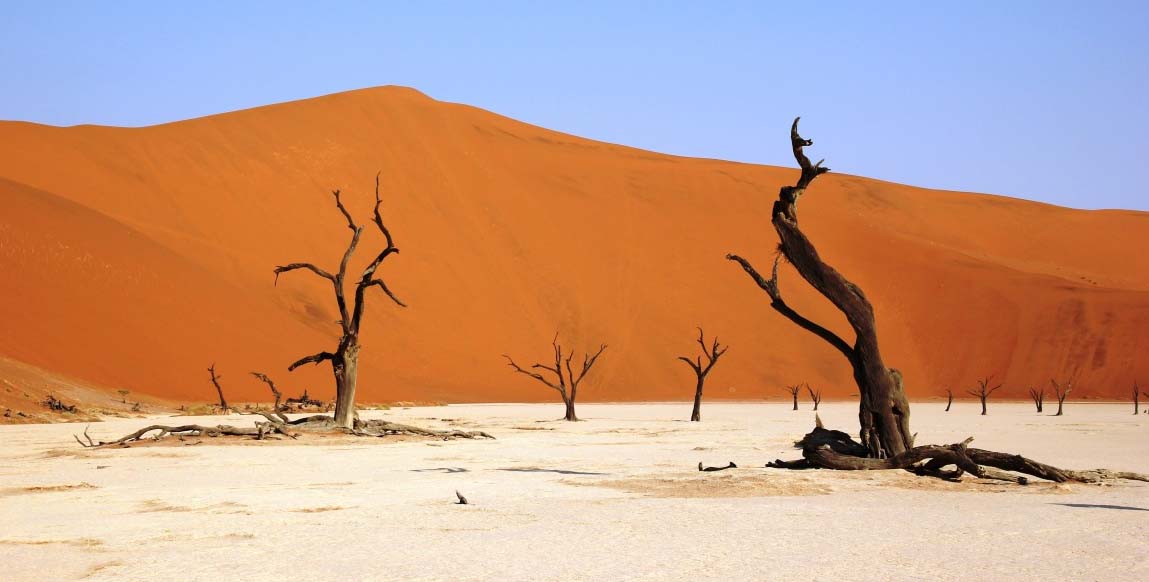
{"x": 276, "y": 425}
{"x": 834, "y": 449}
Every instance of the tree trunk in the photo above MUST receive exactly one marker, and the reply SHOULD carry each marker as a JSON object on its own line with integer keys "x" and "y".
{"x": 346, "y": 368}
{"x": 570, "y": 406}
{"x": 949, "y": 401}
{"x": 795, "y": 401}
{"x": 983, "y": 406}
{"x": 1060, "y": 402}
{"x": 696, "y": 414}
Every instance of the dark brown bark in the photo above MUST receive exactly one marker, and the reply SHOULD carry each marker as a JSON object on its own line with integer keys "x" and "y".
{"x": 1038, "y": 397}
{"x": 345, "y": 359}
{"x": 794, "y": 390}
{"x": 712, "y": 469}
{"x": 1061, "y": 391}
{"x": 568, "y": 381}
{"x": 883, "y": 409}
{"x": 215, "y": 382}
{"x": 983, "y": 392}
{"x": 815, "y": 396}
{"x": 832, "y": 449}
{"x": 1136, "y": 398}
{"x": 712, "y": 354}
{"x": 949, "y": 399}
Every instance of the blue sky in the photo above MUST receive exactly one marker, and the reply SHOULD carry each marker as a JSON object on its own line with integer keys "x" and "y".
{"x": 1040, "y": 100}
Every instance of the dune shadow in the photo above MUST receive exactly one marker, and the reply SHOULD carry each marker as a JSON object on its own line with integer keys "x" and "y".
{"x": 559, "y": 471}
{"x": 1102, "y": 506}
{"x": 442, "y": 470}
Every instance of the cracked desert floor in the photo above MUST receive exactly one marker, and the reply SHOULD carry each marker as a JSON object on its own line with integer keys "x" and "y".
{"x": 615, "y": 497}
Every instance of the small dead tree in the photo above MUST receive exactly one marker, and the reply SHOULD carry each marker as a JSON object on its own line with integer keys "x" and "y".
{"x": 1038, "y": 397}
{"x": 815, "y": 395}
{"x": 794, "y": 390}
{"x": 1136, "y": 398}
{"x": 215, "y": 378}
{"x": 568, "y": 383}
{"x": 983, "y": 391}
{"x": 345, "y": 359}
{"x": 277, "y": 408}
{"x": 949, "y": 399}
{"x": 123, "y": 395}
{"x": 1061, "y": 390}
{"x": 700, "y": 371}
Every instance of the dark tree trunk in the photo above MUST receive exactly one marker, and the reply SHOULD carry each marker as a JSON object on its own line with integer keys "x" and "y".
{"x": 696, "y": 413}
{"x": 983, "y": 410}
{"x": 983, "y": 392}
{"x": 1136, "y": 399}
{"x": 570, "y": 410}
{"x": 1061, "y": 391}
{"x": 949, "y": 399}
{"x": 346, "y": 368}
{"x": 884, "y": 411}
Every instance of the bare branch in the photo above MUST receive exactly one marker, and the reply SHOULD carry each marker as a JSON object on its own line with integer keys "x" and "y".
{"x": 339, "y": 204}
{"x": 312, "y": 359}
{"x": 535, "y": 375}
{"x": 308, "y": 266}
{"x": 386, "y": 290}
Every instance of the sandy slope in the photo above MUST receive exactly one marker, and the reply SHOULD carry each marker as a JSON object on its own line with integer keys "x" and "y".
{"x": 614, "y": 498}
{"x": 135, "y": 257}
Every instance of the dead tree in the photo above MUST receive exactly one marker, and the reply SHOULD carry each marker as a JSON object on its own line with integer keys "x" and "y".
{"x": 815, "y": 395}
{"x": 1038, "y": 397}
{"x": 568, "y": 383}
{"x": 345, "y": 359}
{"x": 949, "y": 399}
{"x": 884, "y": 412}
{"x": 1136, "y": 398}
{"x": 277, "y": 408}
{"x": 1061, "y": 391}
{"x": 794, "y": 390}
{"x": 700, "y": 371}
{"x": 983, "y": 391}
{"x": 215, "y": 382}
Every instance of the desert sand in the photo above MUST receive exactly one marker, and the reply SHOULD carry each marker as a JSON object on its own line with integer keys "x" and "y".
{"x": 136, "y": 257}
{"x": 615, "y": 497}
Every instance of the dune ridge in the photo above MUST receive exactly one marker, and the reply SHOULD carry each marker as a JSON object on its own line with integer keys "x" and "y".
{"x": 136, "y": 257}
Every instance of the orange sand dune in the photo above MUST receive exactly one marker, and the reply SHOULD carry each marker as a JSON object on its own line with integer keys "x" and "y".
{"x": 134, "y": 258}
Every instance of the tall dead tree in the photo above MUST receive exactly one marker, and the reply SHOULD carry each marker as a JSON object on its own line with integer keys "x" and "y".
{"x": 345, "y": 359}
{"x": 815, "y": 395}
{"x": 568, "y": 382}
{"x": 1038, "y": 397}
{"x": 794, "y": 390}
{"x": 886, "y": 441}
{"x": 700, "y": 371}
{"x": 1061, "y": 390}
{"x": 983, "y": 392}
{"x": 949, "y": 399}
{"x": 884, "y": 412}
{"x": 215, "y": 382}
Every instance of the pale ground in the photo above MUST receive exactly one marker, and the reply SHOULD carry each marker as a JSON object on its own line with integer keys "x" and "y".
{"x": 616, "y": 497}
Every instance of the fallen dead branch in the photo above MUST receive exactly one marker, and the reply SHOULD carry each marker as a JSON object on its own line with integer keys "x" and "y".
{"x": 275, "y": 425}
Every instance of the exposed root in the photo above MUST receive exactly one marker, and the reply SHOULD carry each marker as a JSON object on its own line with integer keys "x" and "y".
{"x": 832, "y": 449}
{"x": 273, "y": 426}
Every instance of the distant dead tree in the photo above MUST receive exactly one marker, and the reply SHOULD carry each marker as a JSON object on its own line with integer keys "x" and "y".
{"x": 1137, "y": 398}
{"x": 568, "y": 383}
{"x": 1038, "y": 397}
{"x": 345, "y": 359}
{"x": 276, "y": 408}
{"x": 123, "y": 395}
{"x": 700, "y": 371}
{"x": 215, "y": 378}
{"x": 884, "y": 412}
{"x": 815, "y": 395}
{"x": 983, "y": 391}
{"x": 1061, "y": 390}
{"x": 949, "y": 399}
{"x": 794, "y": 390}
